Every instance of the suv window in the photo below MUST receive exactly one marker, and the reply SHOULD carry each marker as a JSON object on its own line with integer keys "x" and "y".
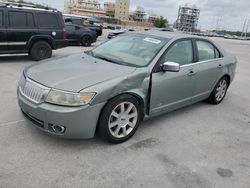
{"x": 1, "y": 18}
{"x": 207, "y": 51}
{"x": 21, "y": 19}
{"x": 48, "y": 20}
{"x": 181, "y": 52}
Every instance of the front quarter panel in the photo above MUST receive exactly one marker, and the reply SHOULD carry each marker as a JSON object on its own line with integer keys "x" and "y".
{"x": 136, "y": 84}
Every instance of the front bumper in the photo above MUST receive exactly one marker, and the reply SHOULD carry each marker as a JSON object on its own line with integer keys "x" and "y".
{"x": 79, "y": 122}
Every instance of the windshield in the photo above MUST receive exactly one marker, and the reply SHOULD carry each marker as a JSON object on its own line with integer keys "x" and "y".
{"x": 131, "y": 50}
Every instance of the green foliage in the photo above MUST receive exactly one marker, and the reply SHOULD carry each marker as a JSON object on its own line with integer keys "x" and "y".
{"x": 161, "y": 22}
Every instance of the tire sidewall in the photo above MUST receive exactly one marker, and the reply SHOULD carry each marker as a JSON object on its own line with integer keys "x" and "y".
{"x": 103, "y": 124}
{"x": 213, "y": 96}
{"x": 84, "y": 43}
{"x": 34, "y": 50}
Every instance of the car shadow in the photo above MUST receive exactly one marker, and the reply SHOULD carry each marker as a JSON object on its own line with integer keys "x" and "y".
{"x": 15, "y": 58}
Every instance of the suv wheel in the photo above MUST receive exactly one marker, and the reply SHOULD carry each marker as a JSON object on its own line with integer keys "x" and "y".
{"x": 41, "y": 50}
{"x": 120, "y": 119}
{"x": 86, "y": 40}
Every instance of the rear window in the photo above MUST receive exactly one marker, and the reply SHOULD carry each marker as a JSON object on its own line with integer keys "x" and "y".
{"x": 48, "y": 20}
{"x": 21, "y": 19}
{"x": 1, "y": 18}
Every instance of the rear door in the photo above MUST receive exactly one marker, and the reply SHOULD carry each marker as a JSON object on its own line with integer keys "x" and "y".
{"x": 51, "y": 24}
{"x": 71, "y": 33}
{"x": 21, "y": 27}
{"x": 3, "y": 44}
{"x": 208, "y": 68}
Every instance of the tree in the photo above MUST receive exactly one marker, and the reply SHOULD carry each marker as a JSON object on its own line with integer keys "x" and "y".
{"x": 161, "y": 22}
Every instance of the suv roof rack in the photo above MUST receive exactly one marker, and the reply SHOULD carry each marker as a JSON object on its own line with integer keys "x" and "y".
{"x": 23, "y": 5}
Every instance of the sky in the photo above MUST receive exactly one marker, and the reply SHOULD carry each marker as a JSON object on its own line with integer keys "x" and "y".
{"x": 227, "y": 14}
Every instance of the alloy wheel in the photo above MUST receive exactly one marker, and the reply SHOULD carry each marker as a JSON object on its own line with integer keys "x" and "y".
{"x": 221, "y": 90}
{"x": 123, "y": 119}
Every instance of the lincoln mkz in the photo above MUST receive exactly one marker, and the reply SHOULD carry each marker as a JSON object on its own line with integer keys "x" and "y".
{"x": 122, "y": 82}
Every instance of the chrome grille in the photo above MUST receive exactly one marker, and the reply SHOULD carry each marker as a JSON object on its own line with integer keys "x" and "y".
{"x": 33, "y": 91}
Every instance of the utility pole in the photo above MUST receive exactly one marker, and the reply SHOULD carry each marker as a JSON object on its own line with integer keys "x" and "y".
{"x": 247, "y": 27}
{"x": 243, "y": 28}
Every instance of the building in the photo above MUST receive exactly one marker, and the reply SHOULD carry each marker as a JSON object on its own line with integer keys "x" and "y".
{"x": 139, "y": 15}
{"x": 109, "y": 8}
{"x": 152, "y": 17}
{"x": 188, "y": 18}
{"x": 84, "y": 8}
{"x": 122, "y": 9}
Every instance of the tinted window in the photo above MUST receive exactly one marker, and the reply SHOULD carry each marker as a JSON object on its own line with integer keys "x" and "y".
{"x": 1, "y": 18}
{"x": 48, "y": 20}
{"x": 17, "y": 19}
{"x": 181, "y": 52}
{"x": 206, "y": 51}
{"x": 30, "y": 20}
{"x": 77, "y": 21}
{"x": 21, "y": 19}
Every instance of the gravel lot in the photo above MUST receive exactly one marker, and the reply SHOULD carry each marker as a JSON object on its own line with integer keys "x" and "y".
{"x": 200, "y": 146}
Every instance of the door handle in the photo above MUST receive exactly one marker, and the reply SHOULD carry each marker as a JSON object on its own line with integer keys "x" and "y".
{"x": 219, "y": 66}
{"x": 191, "y": 73}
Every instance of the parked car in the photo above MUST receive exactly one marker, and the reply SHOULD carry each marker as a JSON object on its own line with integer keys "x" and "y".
{"x": 80, "y": 35}
{"x": 30, "y": 30}
{"x": 115, "y": 33}
{"x": 118, "y": 84}
{"x": 89, "y": 22}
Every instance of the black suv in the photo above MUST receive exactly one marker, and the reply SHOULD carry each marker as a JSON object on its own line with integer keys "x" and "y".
{"x": 89, "y": 22}
{"x": 31, "y": 30}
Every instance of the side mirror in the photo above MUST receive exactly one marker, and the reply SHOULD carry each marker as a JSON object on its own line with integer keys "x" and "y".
{"x": 170, "y": 66}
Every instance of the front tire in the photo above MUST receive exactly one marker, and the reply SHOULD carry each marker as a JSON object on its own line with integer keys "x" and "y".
{"x": 120, "y": 119}
{"x": 219, "y": 91}
{"x": 41, "y": 50}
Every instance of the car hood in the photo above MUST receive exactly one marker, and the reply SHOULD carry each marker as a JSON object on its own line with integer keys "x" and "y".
{"x": 76, "y": 72}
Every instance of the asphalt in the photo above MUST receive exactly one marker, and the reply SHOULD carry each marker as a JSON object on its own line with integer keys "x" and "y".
{"x": 200, "y": 146}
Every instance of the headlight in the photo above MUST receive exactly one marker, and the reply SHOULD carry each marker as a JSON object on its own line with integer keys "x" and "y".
{"x": 69, "y": 99}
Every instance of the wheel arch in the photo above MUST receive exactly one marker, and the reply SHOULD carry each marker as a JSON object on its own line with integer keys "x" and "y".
{"x": 139, "y": 99}
{"x": 35, "y": 39}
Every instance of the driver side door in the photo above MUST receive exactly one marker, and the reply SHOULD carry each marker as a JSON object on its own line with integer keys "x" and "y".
{"x": 173, "y": 90}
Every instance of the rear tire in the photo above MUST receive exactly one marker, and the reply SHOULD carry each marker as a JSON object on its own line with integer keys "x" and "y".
{"x": 86, "y": 40}
{"x": 219, "y": 91}
{"x": 41, "y": 50}
{"x": 120, "y": 119}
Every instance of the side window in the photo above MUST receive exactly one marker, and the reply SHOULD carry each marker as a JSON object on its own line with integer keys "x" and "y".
{"x": 207, "y": 51}
{"x": 48, "y": 20}
{"x": 181, "y": 52}
{"x": 17, "y": 19}
{"x": 77, "y": 21}
{"x": 217, "y": 53}
{"x": 21, "y": 19}
{"x": 30, "y": 20}
{"x": 1, "y": 18}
